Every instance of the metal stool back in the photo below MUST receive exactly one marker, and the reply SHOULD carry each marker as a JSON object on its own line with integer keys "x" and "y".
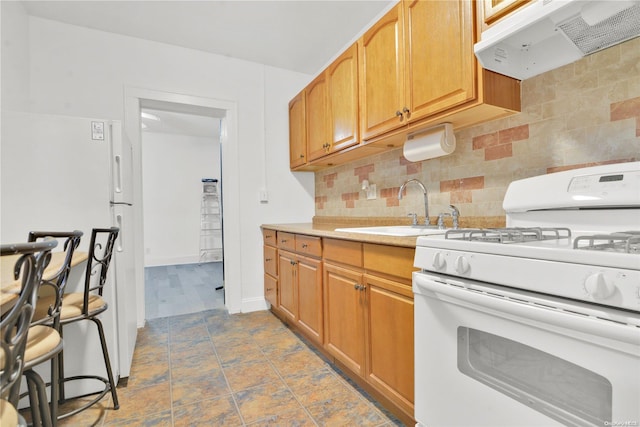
{"x": 89, "y": 305}
{"x": 31, "y": 260}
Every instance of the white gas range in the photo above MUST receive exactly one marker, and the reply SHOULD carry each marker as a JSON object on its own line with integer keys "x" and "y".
{"x": 537, "y": 323}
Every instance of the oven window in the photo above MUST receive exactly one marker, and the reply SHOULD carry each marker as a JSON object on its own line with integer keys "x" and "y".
{"x": 558, "y": 388}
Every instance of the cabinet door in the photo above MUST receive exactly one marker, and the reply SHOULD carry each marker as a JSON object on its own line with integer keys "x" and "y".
{"x": 342, "y": 80}
{"x": 344, "y": 316}
{"x": 271, "y": 290}
{"x": 494, "y": 10}
{"x": 440, "y": 65}
{"x": 288, "y": 298}
{"x": 317, "y": 123}
{"x": 390, "y": 366}
{"x": 310, "y": 297}
{"x": 381, "y": 74}
{"x": 297, "y": 132}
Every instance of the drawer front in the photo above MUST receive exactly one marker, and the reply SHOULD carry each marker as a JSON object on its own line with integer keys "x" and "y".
{"x": 269, "y": 237}
{"x": 391, "y": 260}
{"x": 271, "y": 260}
{"x": 286, "y": 241}
{"x": 271, "y": 290}
{"x": 309, "y": 245}
{"x": 343, "y": 251}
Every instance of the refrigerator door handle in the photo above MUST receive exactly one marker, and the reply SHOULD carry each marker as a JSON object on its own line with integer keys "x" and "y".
{"x": 118, "y": 177}
{"x": 119, "y": 246}
{"x": 112, "y": 203}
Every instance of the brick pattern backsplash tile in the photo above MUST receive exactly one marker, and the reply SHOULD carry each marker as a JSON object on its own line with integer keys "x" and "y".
{"x": 582, "y": 114}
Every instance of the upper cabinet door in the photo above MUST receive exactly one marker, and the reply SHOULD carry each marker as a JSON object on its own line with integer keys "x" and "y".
{"x": 342, "y": 80}
{"x": 440, "y": 64}
{"x": 493, "y": 10}
{"x": 297, "y": 132}
{"x": 381, "y": 64}
{"x": 317, "y": 118}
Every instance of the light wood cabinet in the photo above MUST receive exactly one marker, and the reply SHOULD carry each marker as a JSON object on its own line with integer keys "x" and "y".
{"x": 300, "y": 283}
{"x": 287, "y": 283}
{"x": 342, "y": 99}
{"x": 270, "y": 253}
{"x": 381, "y": 71}
{"x": 416, "y": 69}
{"x": 494, "y": 10}
{"x": 317, "y": 118}
{"x": 297, "y": 132}
{"x": 344, "y": 316}
{"x": 439, "y": 58}
{"x": 390, "y": 360}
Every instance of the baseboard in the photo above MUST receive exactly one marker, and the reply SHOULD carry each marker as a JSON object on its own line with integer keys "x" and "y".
{"x": 254, "y": 304}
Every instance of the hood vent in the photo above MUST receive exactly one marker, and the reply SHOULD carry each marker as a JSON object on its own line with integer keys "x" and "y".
{"x": 608, "y": 32}
{"x": 548, "y": 34}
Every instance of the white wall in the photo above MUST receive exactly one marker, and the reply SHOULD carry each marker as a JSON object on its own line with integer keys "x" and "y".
{"x": 15, "y": 56}
{"x": 77, "y": 71}
{"x": 172, "y": 169}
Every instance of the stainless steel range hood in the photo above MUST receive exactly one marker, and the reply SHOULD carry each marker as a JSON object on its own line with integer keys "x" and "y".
{"x": 550, "y": 33}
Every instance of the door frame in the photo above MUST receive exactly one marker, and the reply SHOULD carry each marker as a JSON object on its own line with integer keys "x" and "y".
{"x": 133, "y": 98}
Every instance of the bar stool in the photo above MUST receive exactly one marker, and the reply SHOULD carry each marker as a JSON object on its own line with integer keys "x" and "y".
{"x": 87, "y": 306}
{"x": 32, "y": 258}
{"x": 42, "y": 343}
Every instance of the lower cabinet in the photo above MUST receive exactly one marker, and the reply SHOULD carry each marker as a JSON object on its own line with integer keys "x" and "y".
{"x": 300, "y": 298}
{"x": 344, "y": 316}
{"x": 390, "y": 360}
{"x": 356, "y": 303}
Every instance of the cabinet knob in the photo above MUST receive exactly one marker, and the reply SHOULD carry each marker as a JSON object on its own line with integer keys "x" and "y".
{"x": 304, "y": 246}
{"x": 267, "y": 259}
{"x": 399, "y": 114}
{"x": 407, "y": 112}
{"x": 302, "y": 156}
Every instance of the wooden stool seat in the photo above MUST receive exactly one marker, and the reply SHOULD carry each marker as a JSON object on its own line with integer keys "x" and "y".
{"x": 72, "y": 305}
{"x": 42, "y": 343}
{"x": 8, "y": 414}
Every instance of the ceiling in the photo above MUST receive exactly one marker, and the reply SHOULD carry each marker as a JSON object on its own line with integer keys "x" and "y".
{"x": 300, "y": 35}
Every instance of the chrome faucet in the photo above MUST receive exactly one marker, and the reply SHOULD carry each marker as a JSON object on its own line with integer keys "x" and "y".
{"x": 424, "y": 191}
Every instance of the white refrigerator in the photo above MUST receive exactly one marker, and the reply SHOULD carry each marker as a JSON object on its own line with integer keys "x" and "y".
{"x": 67, "y": 173}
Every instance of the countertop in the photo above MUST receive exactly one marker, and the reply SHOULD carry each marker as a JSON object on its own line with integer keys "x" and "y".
{"x": 328, "y": 230}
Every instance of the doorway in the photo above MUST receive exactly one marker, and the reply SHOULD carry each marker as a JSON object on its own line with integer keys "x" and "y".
{"x": 137, "y": 100}
{"x": 182, "y": 212}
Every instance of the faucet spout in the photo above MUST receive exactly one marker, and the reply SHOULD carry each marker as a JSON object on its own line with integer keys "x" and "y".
{"x": 424, "y": 191}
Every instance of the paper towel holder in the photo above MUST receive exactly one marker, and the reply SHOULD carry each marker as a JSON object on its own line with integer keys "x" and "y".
{"x": 428, "y": 143}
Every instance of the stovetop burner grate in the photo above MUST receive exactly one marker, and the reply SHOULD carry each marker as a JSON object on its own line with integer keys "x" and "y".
{"x": 624, "y": 241}
{"x": 509, "y": 235}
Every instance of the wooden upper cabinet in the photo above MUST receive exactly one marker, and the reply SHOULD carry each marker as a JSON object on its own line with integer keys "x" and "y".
{"x": 494, "y": 10}
{"x": 439, "y": 64}
{"x": 317, "y": 119}
{"x": 342, "y": 98}
{"x": 297, "y": 132}
{"x": 381, "y": 68}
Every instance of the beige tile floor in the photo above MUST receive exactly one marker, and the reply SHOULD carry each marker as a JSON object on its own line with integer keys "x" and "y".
{"x": 215, "y": 369}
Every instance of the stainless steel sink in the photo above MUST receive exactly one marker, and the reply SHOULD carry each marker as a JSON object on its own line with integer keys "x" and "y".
{"x": 395, "y": 230}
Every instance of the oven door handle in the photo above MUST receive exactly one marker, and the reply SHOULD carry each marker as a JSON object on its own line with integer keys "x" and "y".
{"x": 586, "y": 322}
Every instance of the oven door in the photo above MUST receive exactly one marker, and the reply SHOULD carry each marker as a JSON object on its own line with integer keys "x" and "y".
{"x": 487, "y": 355}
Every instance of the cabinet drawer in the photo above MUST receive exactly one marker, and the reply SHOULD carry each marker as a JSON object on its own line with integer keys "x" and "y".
{"x": 286, "y": 241}
{"x": 271, "y": 290}
{"x": 392, "y": 260}
{"x": 271, "y": 260}
{"x": 308, "y": 245}
{"x": 269, "y": 237}
{"x": 343, "y": 251}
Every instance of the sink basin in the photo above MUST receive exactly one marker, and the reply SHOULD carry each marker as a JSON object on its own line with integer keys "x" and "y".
{"x": 395, "y": 230}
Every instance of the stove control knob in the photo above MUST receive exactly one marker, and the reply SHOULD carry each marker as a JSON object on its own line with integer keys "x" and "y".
{"x": 462, "y": 265}
{"x": 439, "y": 262}
{"x": 598, "y": 286}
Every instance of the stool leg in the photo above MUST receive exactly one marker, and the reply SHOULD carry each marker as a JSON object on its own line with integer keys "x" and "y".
{"x": 107, "y": 362}
{"x": 33, "y": 400}
{"x": 34, "y": 380}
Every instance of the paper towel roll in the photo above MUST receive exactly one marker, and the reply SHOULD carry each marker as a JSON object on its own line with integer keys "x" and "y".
{"x": 433, "y": 142}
